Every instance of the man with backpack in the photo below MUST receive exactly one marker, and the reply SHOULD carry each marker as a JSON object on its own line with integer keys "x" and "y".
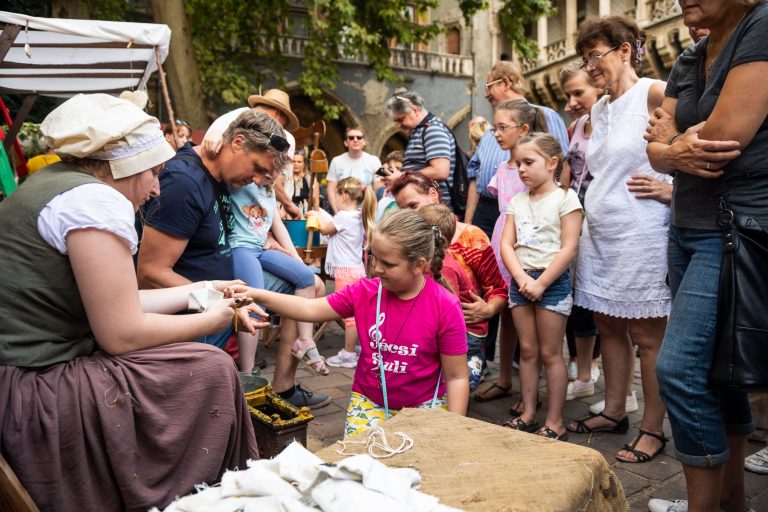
{"x": 432, "y": 148}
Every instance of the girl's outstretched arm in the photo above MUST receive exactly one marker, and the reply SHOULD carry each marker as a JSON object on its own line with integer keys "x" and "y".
{"x": 456, "y": 382}
{"x": 290, "y": 306}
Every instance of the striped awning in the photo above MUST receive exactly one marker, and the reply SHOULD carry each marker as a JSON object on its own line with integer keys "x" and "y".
{"x": 63, "y": 57}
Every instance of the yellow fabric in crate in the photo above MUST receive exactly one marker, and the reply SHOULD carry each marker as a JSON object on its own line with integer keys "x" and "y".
{"x": 474, "y": 465}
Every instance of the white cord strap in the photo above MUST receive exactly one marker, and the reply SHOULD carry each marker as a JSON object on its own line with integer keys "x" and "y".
{"x": 375, "y": 439}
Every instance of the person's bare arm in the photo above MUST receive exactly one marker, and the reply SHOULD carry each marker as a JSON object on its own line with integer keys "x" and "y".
{"x": 330, "y": 189}
{"x": 473, "y": 198}
{"x": 439, "y": 169}
{"x": 290, "y": 306}
{"x": 742, "y": 106}
{"x": 689, "y": 152}
{"x": 103, "y": 269}
{"x": 290, "y": 208}
{"x": 171, "y": 300}
{"x": 456, "y": 382}
{"x": 158, "y": 254}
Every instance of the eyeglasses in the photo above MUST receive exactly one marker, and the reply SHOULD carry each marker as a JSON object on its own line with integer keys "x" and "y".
{"x": 181, "y": 122}
{"x": 594, "y": 60}
{"x": 490, "y": 84}
{"x": 355, "y": 137}
{"x": 503, "y": 127}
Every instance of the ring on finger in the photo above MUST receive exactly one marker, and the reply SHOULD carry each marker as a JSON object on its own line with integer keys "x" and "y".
{"x": 708, "y": 165}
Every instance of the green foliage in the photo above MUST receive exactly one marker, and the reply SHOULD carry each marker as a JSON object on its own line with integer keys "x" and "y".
{"x": 109, "y": 10}
{"x": 516, "y": 15}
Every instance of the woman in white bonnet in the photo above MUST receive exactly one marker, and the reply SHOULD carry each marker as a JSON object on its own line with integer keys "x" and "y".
{"x": 101, "y": 405}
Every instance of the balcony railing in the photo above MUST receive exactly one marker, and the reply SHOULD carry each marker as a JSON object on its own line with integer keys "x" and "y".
{"x": 428, "y": 62}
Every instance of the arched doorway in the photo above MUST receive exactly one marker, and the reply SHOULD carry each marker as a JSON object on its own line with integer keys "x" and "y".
{"x": 396, "y": 142}
{"x": 308, "y": 113}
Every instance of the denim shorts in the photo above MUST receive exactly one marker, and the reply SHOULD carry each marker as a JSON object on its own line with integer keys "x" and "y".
{"x": 701, "y": 416}
{"x": 557, "y": 298}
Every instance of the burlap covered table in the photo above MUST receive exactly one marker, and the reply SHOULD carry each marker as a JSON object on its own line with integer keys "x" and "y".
{"x": 474, "y": 465}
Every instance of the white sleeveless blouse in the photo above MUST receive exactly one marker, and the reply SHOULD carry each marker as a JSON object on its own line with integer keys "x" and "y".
{"x": 621, "y": 266}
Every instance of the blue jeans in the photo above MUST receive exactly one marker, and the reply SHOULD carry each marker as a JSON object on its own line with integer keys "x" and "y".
{"x": 250, "y": 262}
{"x": 557, "y": 297}
{"x": 271, "y": 283}
{"x": 700, "y": 415}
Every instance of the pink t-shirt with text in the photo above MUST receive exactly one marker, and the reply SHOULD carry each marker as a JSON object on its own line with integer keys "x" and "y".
{"x": 414, "y": 333}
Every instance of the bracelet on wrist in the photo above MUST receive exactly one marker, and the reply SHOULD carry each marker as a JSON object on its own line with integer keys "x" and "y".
{"x": 673, "y": 138}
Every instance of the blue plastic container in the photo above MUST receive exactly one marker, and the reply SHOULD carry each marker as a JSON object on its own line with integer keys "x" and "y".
{"x": 297, "y": 229}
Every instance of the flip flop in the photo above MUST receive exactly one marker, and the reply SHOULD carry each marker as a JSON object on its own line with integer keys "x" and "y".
{"x": 547, "y": 432}
{"x": 493, "y": 392}
{"x": 639, "y": 454}
{"x": 518, "y": 424}
{"x": 306, "y": 352}
{"x": 517, "y": 409}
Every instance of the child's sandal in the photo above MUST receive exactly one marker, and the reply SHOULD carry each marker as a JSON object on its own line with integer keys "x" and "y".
{"x": 306, "y": 352}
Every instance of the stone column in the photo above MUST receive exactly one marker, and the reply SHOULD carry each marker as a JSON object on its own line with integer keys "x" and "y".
{"x": 643, "y": 12}
{"x": 605, "y": 8}
{"x": 543, "y": 38}
{"x": 571, "y": 18}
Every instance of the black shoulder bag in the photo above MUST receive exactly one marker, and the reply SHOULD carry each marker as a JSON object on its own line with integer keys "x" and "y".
{"x": 741, "y": 352}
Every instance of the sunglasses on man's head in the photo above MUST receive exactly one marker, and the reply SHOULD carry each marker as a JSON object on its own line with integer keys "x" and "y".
{"x": 278, "y": 142}
{"x": 355, "y": 137}
{"x": 181, "y": 122}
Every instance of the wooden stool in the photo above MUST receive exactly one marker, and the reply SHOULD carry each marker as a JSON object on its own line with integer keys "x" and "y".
{"x": 13, "y": 496}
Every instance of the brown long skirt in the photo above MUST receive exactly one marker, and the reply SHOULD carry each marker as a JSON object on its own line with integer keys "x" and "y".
{"x": 127, "y": 432}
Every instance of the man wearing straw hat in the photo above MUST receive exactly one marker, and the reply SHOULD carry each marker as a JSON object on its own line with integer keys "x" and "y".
{"x": 275, "y": 103}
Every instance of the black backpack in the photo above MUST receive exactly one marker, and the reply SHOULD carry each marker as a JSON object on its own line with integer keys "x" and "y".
{"x": 459, "y": 189}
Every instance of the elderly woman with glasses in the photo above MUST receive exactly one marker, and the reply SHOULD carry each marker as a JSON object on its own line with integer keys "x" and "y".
{"x": 102, "y": 407}
{"x": 621, "y": 265}
{"x": 719, "y": 105}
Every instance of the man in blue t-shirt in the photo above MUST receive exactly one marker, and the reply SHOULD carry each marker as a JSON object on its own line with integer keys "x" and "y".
{"x": 185, "y": 228}
{"x": 431, "y": 147}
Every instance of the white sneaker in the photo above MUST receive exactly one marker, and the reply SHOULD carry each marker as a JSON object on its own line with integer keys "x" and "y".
{"x": 595, "y": 374}
{"x": 598, "y": 407}
{"x": 657, "y": 505}
{"x": 579, "y": 389}
{"x": 757, "y": 462}
{"x": 573, "y": 370}
{"x": 343, "y": 359}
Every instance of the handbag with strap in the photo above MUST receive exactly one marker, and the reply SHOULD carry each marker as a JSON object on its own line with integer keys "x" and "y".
{"x": 741, "y": 352}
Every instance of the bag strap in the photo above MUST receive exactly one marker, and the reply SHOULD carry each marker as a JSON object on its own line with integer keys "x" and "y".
{"x": 381, "y": 361}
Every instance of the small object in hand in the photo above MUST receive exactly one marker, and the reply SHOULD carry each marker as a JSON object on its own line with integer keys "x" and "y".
{"x": 243, "y": 301}
{"x": 200, "y": 300}
{"x": 313, "y": 223}
{"x": 384, "y": 172}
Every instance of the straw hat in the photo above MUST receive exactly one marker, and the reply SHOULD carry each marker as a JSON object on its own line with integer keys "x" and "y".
{"x": 281, "y": 101}
{"x": 102, "y": 127}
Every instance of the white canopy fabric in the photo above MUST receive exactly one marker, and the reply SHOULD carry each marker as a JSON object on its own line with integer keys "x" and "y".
{"x": 66, "y": 57}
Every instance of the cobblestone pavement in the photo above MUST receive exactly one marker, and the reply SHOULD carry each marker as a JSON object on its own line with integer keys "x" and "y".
{"x": 660, "y": 478}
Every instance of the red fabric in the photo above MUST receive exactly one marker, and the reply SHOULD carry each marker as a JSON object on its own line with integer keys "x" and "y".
{"x": 232, "y": 347}
{"x": 474, "y": 254}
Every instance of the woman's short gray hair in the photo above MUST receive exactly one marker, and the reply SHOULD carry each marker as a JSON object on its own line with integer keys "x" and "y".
{"x": 256, "y": 128}
{"x": 403, "y": 103}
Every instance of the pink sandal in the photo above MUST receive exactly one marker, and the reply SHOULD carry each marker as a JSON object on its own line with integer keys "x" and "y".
{"x": 306, "y": 352}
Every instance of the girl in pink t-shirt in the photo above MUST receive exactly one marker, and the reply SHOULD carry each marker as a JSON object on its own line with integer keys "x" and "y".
{"x": 412, "y": 331}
